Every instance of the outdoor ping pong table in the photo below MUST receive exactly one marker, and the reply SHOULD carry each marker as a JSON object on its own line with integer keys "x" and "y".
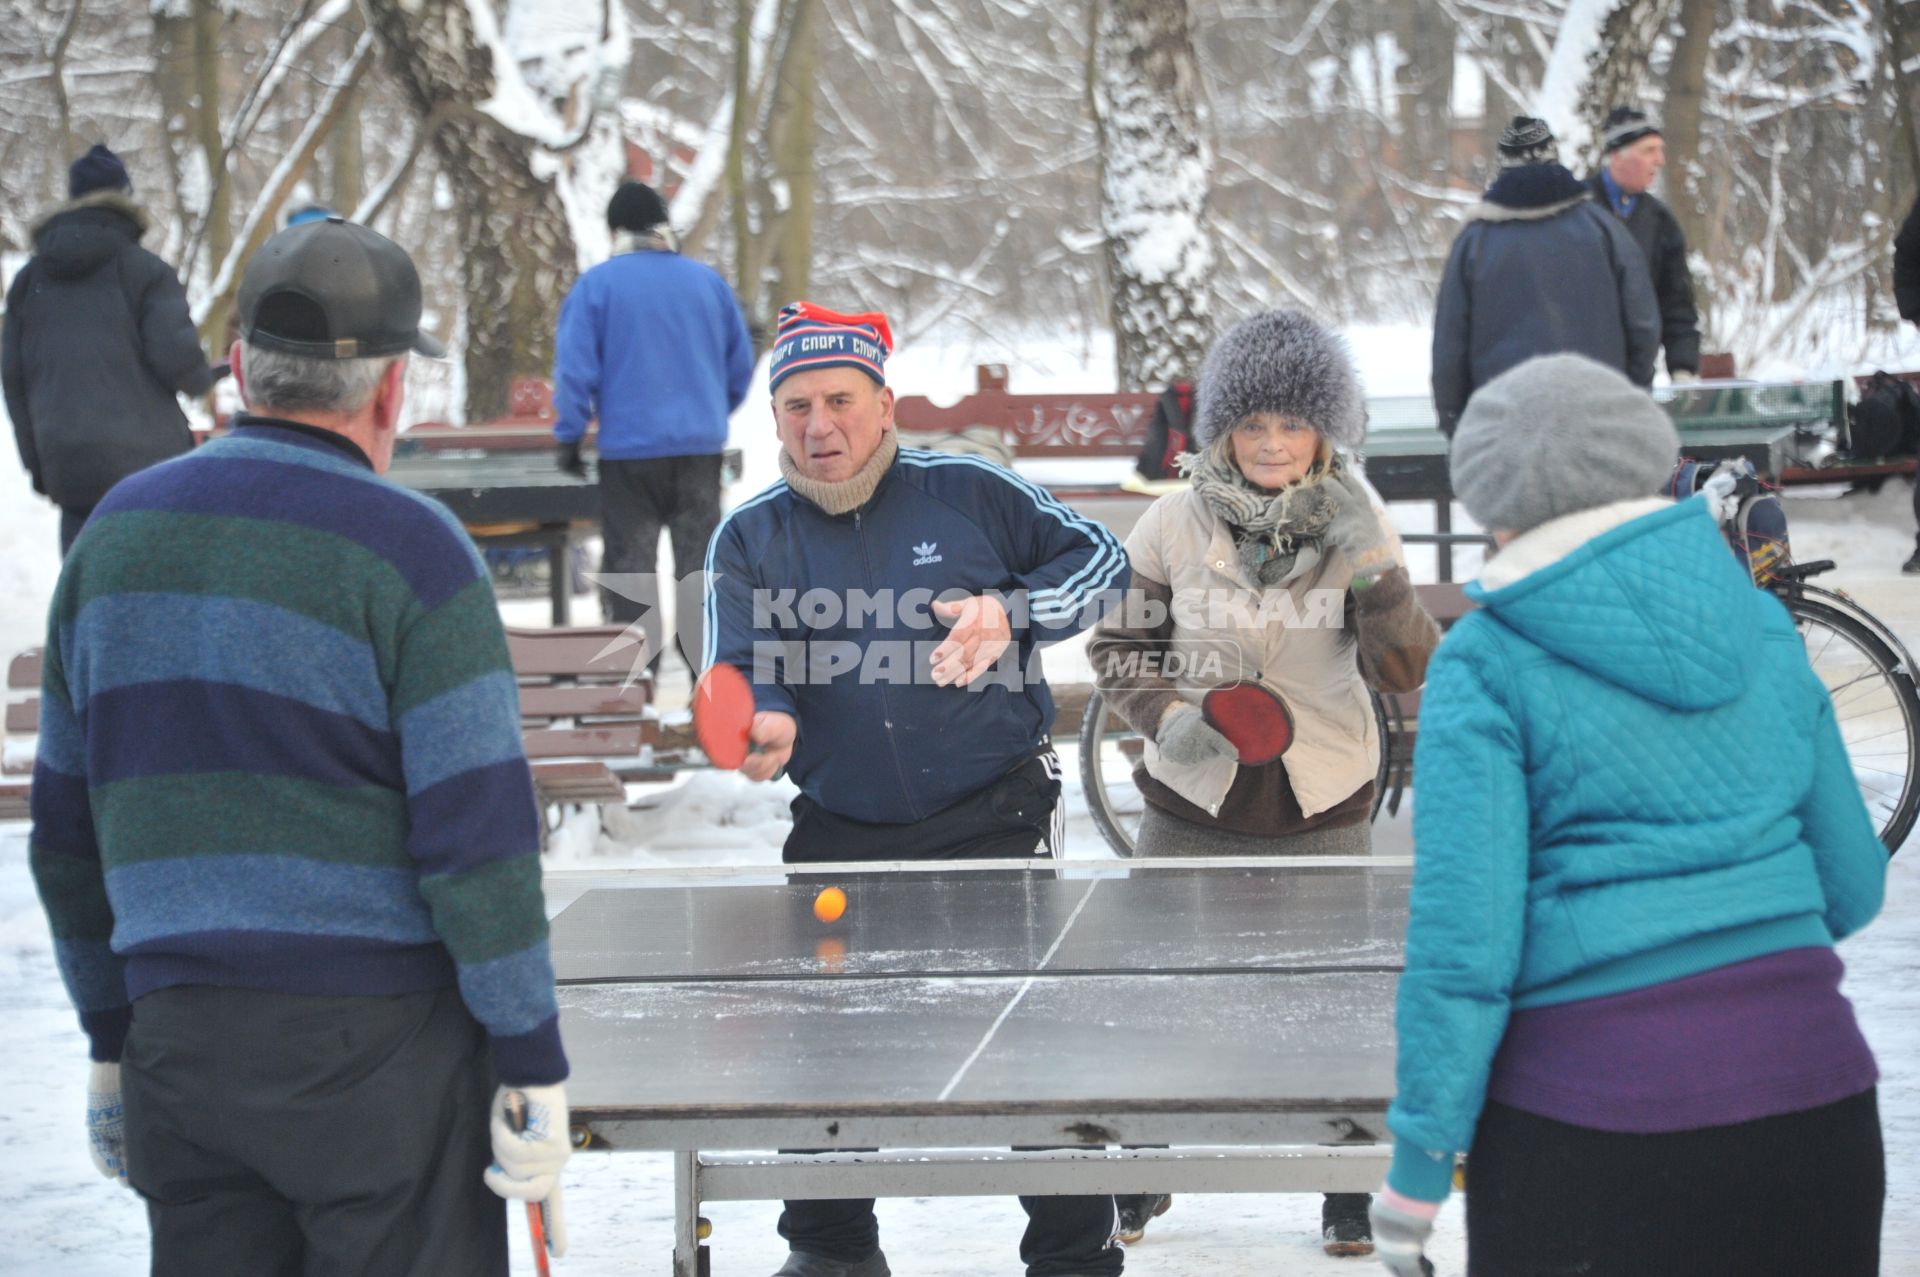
{"x": 1237, "y": 1010}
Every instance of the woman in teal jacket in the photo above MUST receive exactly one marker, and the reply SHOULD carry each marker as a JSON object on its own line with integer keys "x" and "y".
{"x": 1637, "y": 838}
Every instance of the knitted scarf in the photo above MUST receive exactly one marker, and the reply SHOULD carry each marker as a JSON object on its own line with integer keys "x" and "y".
{"x": 848, "y": 494}
{"x": 1277, "y": 534}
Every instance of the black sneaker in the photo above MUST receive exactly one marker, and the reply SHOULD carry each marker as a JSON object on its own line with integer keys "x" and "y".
{"x": 801, "y": 1264}
{"x": 1912, "y": 566}
{"x": 1344, "y": 1227}
{"x": 1136, "y": 1210}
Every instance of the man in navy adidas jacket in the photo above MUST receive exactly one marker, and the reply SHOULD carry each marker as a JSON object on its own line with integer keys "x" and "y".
{"x": 886, "y": 603}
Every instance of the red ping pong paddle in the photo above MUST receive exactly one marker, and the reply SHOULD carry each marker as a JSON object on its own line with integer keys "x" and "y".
{"x": 1252, "y": 716}
{"x": 723, "y": 715}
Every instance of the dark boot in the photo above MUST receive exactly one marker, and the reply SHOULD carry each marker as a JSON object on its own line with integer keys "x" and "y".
{"x": 1136, "y": 1210}
{"x": 801, "y": 1264}
{"x": 1344, "y": 1227}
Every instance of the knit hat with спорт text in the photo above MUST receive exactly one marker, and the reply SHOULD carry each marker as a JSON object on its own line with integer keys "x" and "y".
{"x": 810, "y": 336}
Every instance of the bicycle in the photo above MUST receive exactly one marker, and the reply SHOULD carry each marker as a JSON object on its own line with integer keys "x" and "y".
{"x": 1865, "y": 667}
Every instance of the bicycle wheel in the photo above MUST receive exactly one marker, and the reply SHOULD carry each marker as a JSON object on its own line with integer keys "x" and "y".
{"x": 1110, "y": 749}
{"x": 1876, "y": 707}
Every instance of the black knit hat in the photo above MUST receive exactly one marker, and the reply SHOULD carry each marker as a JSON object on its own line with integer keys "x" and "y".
{"x": 1527, "y": 141}
{"x": 635, "y": 207}
{"x": 98, "y": 170}
{"x": 1625, "y": 125}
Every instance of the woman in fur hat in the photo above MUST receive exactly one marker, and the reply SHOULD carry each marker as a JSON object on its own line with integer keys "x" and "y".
{"x": 1278, "y": 564}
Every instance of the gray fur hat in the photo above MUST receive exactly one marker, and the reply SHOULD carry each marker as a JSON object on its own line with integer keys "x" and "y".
{"x": 1556, "y": 435}
{"x": 1283, "y": 361}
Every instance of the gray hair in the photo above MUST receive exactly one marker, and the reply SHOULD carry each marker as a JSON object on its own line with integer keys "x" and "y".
{"x": 275, "y": 379}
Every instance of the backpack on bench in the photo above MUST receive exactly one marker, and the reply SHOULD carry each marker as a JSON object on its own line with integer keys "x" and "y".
{"x": 1756, "y": 528}
{"x": 1886, "y": 420}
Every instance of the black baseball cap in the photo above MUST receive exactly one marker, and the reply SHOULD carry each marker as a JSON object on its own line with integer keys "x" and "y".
{"x": 333, "y": 289}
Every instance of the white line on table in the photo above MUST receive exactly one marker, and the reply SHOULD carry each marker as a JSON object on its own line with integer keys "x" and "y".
{"x": 1024, "y": 986}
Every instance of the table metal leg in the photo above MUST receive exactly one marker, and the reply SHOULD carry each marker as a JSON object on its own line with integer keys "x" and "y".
{"x": 560, "y": 578}
{"x": 1443, "y": 524}
{"x": 686, "y": 1214}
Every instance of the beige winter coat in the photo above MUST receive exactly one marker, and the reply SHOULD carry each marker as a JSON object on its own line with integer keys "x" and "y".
{"x": 1224, "y": 626}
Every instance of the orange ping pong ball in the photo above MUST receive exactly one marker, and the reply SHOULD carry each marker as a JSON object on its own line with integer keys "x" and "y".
{"x": 830, "y": 904}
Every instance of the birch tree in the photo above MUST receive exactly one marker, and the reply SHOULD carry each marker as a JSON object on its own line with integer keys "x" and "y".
{"x": 1155, "y": 171}
{"x": 493, "y": 143}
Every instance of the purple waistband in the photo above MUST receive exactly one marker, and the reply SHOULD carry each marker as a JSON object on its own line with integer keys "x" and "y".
{"x": 1755, "y": 1039}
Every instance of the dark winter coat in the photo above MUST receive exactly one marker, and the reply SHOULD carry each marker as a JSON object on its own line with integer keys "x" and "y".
{"x": 97, "y": 342}
{"x": 1906, "y": 267}
{"x": 878, "y": 741}
{"x": 1539, "y": 268}
{"x": 1657, "y": 231}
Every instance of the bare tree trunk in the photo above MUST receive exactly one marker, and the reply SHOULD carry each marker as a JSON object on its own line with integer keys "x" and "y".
{"x": 745, "y": 277}
{"x": 517, "y": 253}
{"x": 793, "y": 166}
{"x": 1155, "y": 174}
{"x": 206, "y": 126}
{"x": 346, "y": 156}
{"x": 172, "y": 46}
{"x": 57, "y": 77}
{"x": 1906, "y": 95}
{"x": 1686, "y": 95}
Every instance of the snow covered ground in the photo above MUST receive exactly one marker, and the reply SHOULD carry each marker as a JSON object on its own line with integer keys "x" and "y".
{"x": 65, "y": 1219}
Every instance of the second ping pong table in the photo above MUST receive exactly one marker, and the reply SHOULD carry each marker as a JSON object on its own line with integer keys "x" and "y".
{"x": 1239, "y": 1011}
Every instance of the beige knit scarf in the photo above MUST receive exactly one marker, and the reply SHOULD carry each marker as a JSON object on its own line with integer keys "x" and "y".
{"x": 848, "y": 494}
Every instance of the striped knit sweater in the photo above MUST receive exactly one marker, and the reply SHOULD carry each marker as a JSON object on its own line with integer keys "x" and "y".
{"x": 280, "y": 749}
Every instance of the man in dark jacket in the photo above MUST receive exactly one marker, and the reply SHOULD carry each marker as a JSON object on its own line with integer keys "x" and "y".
{"x": 97, "y": 343}
{"x": 832, "y": 588}
{"x": 1539, "y": 268}
{"x": 1635, "y": 152}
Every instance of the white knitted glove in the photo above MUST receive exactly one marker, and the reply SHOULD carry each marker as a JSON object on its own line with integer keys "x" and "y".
{"x": 106, "y": 1121}
{"x": 526, "y": 1162}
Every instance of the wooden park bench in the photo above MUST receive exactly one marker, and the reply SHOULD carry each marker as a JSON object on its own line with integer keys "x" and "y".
{"x": 586, "y": 716}
{"x": 23, "y": 722}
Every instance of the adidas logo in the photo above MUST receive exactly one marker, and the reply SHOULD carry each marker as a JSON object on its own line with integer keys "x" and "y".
{"x": 926, "y": 552}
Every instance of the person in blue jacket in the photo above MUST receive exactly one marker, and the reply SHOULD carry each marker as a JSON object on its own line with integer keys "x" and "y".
{"x": 886, "y": 603}
{"x": 1637, "y": 837}
{"x": 653, "y": 344}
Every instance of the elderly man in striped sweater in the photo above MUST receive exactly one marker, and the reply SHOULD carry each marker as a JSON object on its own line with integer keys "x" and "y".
{"x": 284, "y": 829}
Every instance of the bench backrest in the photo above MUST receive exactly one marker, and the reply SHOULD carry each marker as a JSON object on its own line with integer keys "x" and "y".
{"x": 1093, "y": 425}
{"x": 584, "y": 692}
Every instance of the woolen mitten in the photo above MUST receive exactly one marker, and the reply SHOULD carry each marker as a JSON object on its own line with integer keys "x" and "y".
{"x": 1187, "y": 738}
{"x": 1355, "y": 530}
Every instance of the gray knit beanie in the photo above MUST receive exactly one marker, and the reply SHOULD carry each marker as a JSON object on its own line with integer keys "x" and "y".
{"x": 1283, "y": 361}
{"x": 1556, "y": 435}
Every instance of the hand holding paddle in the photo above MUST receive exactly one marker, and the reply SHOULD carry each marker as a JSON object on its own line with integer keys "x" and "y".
{"x": 735, "y": 737}
{"x": 1251, "y": 715}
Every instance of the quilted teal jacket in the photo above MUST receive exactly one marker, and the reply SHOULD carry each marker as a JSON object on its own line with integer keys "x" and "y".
{"x": 1626, "y": 773}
